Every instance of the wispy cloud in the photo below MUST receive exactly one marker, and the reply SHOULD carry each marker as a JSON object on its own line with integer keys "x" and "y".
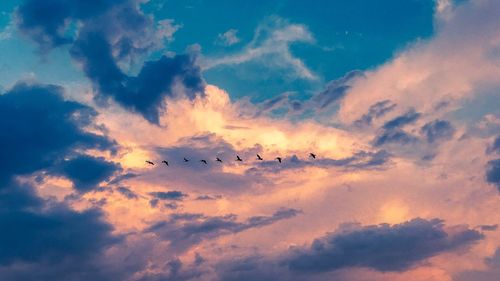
{"x": 271, "y": 46}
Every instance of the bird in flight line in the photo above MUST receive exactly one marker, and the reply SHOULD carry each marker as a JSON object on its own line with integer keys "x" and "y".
{"x": 238, "y": 158}
{"x": 150, "y": 162}
{"x": 186, "y": 160}
{"x": 279, "y": 159}
{"x": 312, "y": 155}
{"x": 218, "y": 160}
{"x": 165, "y": 161}
{"x": 204, "y": 161}
{"x": 259, "y": 158}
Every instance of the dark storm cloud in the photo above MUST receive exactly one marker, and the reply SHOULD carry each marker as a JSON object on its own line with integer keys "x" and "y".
{"x": 437, "y": 130}
{"x": 381, "y": 247}
{"x": 38, "y": 129}
{"x": 184, "y": 231}
{"x": 110, "y": 32}
{"x": 86, "y": 172}
{"x": 493, "y": 172}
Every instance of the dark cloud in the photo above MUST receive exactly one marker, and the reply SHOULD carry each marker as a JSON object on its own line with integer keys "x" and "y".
{"x": 396, "y": 136}
{"x": 109, "y": 32}
{"x": 143, "y": 93}
{"x": 493, "y": 172}
{"x": 336, "y": 90}
{"x": 186, "y": 230}
{"x": 494, "y": 147}
{"x": 127, "y": 192}
{"x": 166, "y": 196}
{"x": 381, "y": 247}
{"x": 402, "y": 120}
{"x": 488, "y": 227}
{"x": 44, "y": 240}
{"x": 38, "y": 129}
{"x": 86, "y": 172}
{"x": 437, "y": 130}
{"x": 46, "y": 21}
{"x": 376, "y": 110}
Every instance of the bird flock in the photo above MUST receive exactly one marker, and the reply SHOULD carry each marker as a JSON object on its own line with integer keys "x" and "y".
{"x": 217, "y": 159}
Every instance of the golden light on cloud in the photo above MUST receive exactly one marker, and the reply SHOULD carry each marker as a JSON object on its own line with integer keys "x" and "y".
{"x": 393, "y": 212}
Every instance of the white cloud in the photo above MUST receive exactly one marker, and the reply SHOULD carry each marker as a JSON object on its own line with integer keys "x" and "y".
{"x": 228, "y": 38}
{"x": 271, "y": 47}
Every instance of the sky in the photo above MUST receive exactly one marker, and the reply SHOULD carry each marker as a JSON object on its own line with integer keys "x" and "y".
{"x": 396, "y": 100}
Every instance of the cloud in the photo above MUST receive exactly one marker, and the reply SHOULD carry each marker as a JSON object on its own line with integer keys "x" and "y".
{"x": 186, "y": 230}
{"x": 494, "y": 147}
{"x": 493, "y": 172}
{"x": 127, "y": 192}
{"x": 58, "y": 132}
{"x": 402, "y": 120}
{"x": 381, "y": 247}
{"x": 86, "y": 172}
{"x": 271, "y": 46}
{"x": 110, "y": 33}
{"x": 438, "y": 130}
{"x": 228, "y": 38}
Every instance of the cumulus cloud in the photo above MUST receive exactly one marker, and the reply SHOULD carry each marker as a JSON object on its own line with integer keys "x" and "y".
{"x": 383, "y": 247}
{"x": 59, "y": 130}
{"x": 110, "y": 33}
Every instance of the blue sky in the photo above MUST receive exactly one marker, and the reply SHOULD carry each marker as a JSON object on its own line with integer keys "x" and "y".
{"x": 345, "y": 37}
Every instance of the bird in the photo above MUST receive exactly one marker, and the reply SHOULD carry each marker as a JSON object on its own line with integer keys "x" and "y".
{"x": 204, "y": 161}
{"x": 218, "y": 160}
{"x": 149, "y": 162}
{"x": 186, "y": 160}
{"x": 312, "y": 155}
{"x": 279, "y": 159}
{"x": 259, "y": 158}
{"x": 166, "y": 162}
{"x": 238, "y": 158}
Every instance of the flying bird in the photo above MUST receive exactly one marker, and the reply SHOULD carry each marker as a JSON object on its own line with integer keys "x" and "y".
{"x": 186, "y": 160}
{"x": 312, "y": 155}
{"x": 279, "y": 159}
{"x": 218, "y": 160}
{"x": 259, "y": 158}
{"x": 204, "y": 161}
{"x": 166, "y": 162}
{"x": 149, "y": 162}
{"x": 238, "y": 158}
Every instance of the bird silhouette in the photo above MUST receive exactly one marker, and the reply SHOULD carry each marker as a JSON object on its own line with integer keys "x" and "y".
{"x": 204, "y": 161}
{"x": 279, "y": 159}
{"x": 149, "y": 162}
{"x": 186, "y": 160}
{"x": 218, "y": 160}
{"x": 259, "y": 158}
{"x": 166, "y": 162}
{"x": 312, "y": 155}
{"x": 238, "y": 158}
